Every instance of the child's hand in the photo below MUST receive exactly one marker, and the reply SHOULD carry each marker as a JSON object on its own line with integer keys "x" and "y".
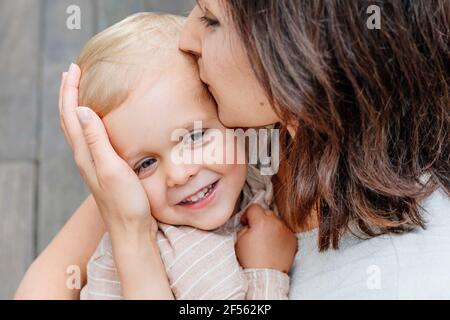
{"x": 265, "y": 242}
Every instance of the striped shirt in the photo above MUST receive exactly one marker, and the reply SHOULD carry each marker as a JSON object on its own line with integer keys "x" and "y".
{"x": 200, "y": 265}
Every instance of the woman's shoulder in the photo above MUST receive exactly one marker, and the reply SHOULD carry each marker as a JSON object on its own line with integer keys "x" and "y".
{"x": 424, "y": 254}
{"x": 409, "y": 266}
{"x": 436, "y": 207}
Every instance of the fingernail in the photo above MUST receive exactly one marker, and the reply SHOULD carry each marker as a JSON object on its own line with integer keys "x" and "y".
{"x": 83, "y": 115}
{"x": 72, "y": 67}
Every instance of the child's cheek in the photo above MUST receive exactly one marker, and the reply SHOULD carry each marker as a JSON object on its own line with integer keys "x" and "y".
{"x": 240, "y": 170}
{"x": 156, "y": 195}
{"x": 233, "y": 172}
{"x": 233, "y": 150}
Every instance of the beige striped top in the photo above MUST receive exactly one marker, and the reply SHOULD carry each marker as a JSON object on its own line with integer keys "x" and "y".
{"x": 199, "y": 264}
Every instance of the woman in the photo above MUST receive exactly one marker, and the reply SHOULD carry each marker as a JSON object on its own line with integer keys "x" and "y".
{"x": 365, "y": 121}
{"x": 367, "y": 114}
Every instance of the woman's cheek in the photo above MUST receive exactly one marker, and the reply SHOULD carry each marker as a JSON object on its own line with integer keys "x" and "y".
{"x": 216, "y": 65}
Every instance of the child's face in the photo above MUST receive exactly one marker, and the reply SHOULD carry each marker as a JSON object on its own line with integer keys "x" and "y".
{"x": 141, "y": 132}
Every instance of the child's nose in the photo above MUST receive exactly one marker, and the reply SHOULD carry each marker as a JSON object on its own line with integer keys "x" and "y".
{"x": 178, "y": 175}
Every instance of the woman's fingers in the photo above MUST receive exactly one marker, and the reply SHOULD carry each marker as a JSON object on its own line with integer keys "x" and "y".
{"x": 61, "y": 88}
{"x": 68, "y": 106}
{"x": 116, "y": 188}
{"x": 105, "y": 158}
{"x": 71, "y": 125}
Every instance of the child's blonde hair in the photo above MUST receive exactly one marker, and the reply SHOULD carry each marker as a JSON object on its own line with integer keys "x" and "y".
{"x": 112, "y": 61}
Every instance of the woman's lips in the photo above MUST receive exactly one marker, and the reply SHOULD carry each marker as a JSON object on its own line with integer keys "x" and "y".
{"x": 203, "y": 202}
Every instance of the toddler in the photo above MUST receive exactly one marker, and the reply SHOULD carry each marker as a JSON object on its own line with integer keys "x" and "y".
{"x": 145, "y": 89}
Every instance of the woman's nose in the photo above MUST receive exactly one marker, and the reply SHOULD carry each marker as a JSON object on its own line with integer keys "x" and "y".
{"x": 178, "y": 175}
{"x": 190, "y": 38}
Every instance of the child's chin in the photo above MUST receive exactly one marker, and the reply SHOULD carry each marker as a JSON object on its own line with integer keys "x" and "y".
{"x": 209, "y": 227}
{"x": 212, "y": 225}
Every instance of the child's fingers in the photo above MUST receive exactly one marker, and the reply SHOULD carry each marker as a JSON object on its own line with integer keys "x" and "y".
{"x": 241, "y": 232}
{"x": 253, "y": 215}
{"x": 269, "y": 213}
{"x": 243, "y": 219}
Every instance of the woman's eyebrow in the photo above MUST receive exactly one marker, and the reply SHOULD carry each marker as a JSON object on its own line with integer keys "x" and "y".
{"x": 200, "y": 4}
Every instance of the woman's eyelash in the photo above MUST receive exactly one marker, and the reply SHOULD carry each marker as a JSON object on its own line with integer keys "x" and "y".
{"x": 209, "y": 22}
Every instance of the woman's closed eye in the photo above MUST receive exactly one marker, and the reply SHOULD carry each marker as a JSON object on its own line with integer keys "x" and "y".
{"x": 209, "y": 22}
{"x": 208, "y": 18}
{"x": 145, "y": 166}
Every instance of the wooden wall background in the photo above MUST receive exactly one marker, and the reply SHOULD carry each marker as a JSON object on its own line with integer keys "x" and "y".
{"x": 39, "y": 184}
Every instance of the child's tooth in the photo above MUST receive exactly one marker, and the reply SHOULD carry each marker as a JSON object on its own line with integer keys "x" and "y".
{"x": 200, "y": 195}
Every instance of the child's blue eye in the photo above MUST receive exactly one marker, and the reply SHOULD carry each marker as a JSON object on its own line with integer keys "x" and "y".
{"x": 197, "y": 135}
{"x": 144, "y": 165}
{"x": 194, "y": 137}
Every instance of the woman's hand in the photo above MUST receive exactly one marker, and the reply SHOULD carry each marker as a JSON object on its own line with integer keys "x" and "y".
{"x": 265, "y": 242}
{"x": 119, "y": 194}
{"x": 117, "y": 190}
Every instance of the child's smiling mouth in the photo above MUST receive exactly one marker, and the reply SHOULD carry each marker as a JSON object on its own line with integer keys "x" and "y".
{"x": 201, "y": 198}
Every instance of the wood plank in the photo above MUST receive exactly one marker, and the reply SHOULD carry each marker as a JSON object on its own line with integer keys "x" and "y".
{"x": 19, "y": 70}
{"x": 180, "y": 7}
{"x": 61, "y": 188}
{"x": 112, "y": 11}
{"x": 17, "y": 186}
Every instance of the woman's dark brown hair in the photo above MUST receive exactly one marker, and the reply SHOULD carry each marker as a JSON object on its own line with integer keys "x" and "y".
{"x": 372, "y": 107}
